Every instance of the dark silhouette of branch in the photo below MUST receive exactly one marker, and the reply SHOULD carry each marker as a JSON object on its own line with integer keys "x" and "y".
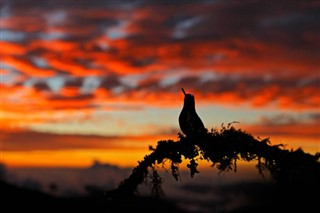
{"x": 223, "y": 148}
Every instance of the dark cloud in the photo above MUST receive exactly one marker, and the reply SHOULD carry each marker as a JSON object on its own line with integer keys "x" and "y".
{"x": 281, "y": 119}
{"x": 238, "y": 26}
{"x": 315, "y": 117}
{"x": 110, "y": 82}
{"x": 231, "y": 19}
{"x": 42, "y": 86}
{"x": 244, "y": 87}
{"x": 259, "y": 20}
{"x": 74, "y": 82}
{"x": 28, "y": 140}
{"x": 143, "y": 62}
{"x": 152, "y": 85}
{"x": 75, "y": 97}
{"x": 47, "y": 4}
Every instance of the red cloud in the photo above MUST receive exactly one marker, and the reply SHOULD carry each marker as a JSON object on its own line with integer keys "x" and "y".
{"x": 54, "y": 45}
{"x": 12, "y": 48}
{"x": 24, "y": 66}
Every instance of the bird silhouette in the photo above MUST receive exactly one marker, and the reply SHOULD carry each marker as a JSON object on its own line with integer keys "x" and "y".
{"x": 189, "y": 121}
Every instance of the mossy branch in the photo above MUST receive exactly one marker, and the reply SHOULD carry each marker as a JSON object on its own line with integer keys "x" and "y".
{"x": 223, "y": 148}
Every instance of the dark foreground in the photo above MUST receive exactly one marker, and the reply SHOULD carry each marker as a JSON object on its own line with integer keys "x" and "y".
{"x": 264, "y": 198}
{"x": 16, "y": 199}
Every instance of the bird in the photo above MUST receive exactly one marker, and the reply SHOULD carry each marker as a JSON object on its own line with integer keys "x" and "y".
{"x": 189, "y": 121}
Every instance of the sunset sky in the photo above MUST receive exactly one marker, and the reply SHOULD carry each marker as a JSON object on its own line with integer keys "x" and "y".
{"x": 101, "y": 80}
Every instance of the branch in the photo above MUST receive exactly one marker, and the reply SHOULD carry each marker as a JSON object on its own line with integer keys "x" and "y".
{"x": 223, "y": 149}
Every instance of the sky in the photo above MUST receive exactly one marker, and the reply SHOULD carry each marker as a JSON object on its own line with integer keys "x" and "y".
{"x": 101, "y": 80}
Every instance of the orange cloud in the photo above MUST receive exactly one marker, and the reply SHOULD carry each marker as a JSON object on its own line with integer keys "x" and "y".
{"x": 26, "y": 67}
{"x": 69, "y": 92}
{"x": 11, "y": 48}
{"x": 54, "y": 45}
{"x": 22, "y": 107}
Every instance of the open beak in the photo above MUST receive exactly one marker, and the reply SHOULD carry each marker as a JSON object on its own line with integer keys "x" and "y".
{"x": 183, "y": 91}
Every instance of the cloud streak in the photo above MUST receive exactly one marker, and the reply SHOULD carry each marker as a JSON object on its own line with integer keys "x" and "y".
{"x": 37, "y": 141}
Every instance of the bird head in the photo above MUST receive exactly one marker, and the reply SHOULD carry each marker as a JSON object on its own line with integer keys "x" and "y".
{"x": 188, "y": 99}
